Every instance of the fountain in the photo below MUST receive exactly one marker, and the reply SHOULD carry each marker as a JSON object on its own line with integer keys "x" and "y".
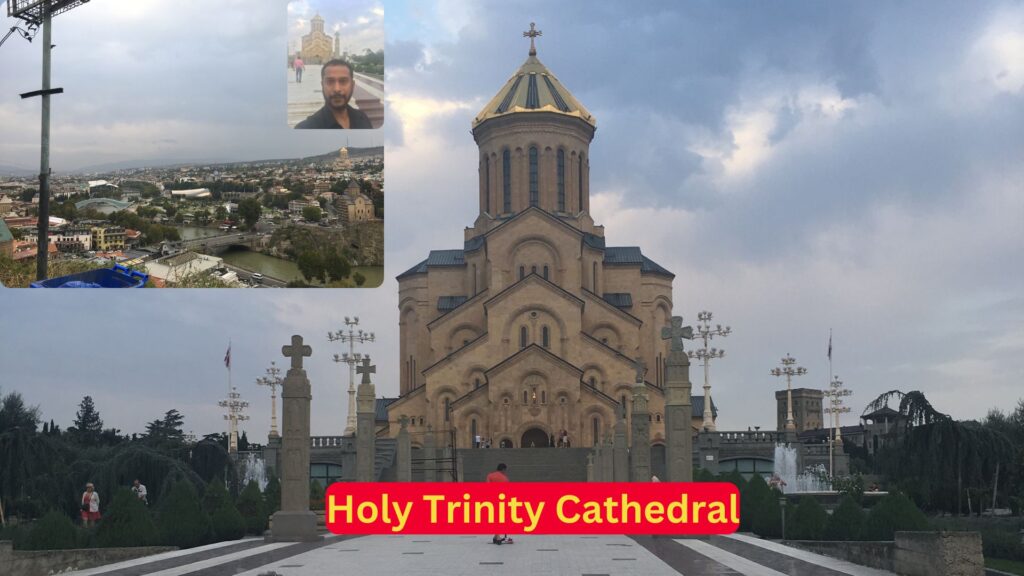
{"x": 788, "y": 479}
{"x": 252, "y": 467}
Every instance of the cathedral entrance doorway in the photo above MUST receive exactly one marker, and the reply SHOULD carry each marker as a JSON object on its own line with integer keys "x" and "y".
{"x": 535, "y": 438}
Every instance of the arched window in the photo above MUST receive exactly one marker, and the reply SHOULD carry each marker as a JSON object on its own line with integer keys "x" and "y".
{"x": 545, "y": 272}
{"x": 487, "y": 184}
{"x": 476, "y": 384}
{"x": 421, "y": 420}
{"x": 526, "y": 397}
{"x": 522, "y": 337}
{"x": 593, "y": 382}
{"x": 561, "y": 180}
{"x": 657, "y": 417}
{"x": 543, "y": 396}
{"x": 506, "y": 181}
{"x": 472, "y": 431}
{"x": 533, "y": 269}
{"x": 474, "y": 279}
{"x": 580, "y": 182}
{"x": 522, "y": 272}
{"x": 594, "y": 277}
{"x": 596, "y": 424}
{"x": 534, "y": 184}
{"x": 545, "y": 337}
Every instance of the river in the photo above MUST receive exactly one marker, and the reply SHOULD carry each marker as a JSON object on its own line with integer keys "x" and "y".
{"x": 287, "y": 270}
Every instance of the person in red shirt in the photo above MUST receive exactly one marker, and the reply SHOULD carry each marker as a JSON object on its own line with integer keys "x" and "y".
{"x": 499, "y": 476}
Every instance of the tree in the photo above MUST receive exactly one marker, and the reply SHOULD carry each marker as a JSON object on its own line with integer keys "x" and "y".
{"x": 939, "y": 458}
{"x": 15, "y": 414}
{"x": 336, "y": 266}
{"x": 53, "y": 532}
{"x": 311, "y": 213}
{"x": 88, "y": 425}
{"x": 182, "y": 521}
{"x": 250, "y": 210}
{"x": 359, "y": 278}
{"x": 220, "y": 213}
{"x": 846, "y": 521}
{"x": 806, "y": 520}
{"x": 226, "y": 522}
{"x": 250, "y": 506}
{"x": 127, "y": 523}
{"x": 311, "y": 265}
{"x": 894, "y": 513}
{"x": 166, "y": 430}
{"x": 272, "y": 496}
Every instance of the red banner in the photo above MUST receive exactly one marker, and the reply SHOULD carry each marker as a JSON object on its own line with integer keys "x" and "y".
{"x": 532, "y": 508}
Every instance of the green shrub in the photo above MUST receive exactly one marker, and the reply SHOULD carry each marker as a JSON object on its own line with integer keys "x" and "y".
{"x": 227, "y": 523}
{"x": 215, "y": 496}
{"x": 316, "y": 495}
{"x": 127, "y": 523}
{"x": 892, "y": 514}
{"x": 734, "y": 477}
{"x": 54, "y": 531}
{"x": 767, "y": 521}
{"x": 703, "y": 475}
{"x": 182, "y": 522}
{"x": 250, "y": 506}
{"x": 272, "y": 496}
{"x": 806, "y": 521}
{"x": 846, "y": 521}
{"x": 754, "y": 495}
{"x": 1002, "y": 544}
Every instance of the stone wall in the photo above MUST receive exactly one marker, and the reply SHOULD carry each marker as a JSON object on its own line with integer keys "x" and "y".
{"x": 880, "y": 555}
{"x": 44, "y": 562}
{"x": 912, "y": 553}
{"x": 939, "y": 553}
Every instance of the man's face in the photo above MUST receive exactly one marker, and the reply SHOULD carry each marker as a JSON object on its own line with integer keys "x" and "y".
{"x": 337, "y": 85}
{"x": 136, "y": 483}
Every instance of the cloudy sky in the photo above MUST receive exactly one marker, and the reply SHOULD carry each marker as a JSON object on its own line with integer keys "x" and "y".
{"x": 800, "y": 166}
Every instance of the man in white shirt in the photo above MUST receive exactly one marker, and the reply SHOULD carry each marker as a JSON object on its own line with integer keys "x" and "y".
{"x": 139, "y": 489}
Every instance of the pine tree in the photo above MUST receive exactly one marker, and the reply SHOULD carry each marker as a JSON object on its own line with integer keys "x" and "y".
{"x": 88, "y": 424}
{"x": 182, "y": 521}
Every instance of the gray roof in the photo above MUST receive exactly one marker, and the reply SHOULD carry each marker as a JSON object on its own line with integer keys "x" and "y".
{"x": 623, "y": 255}
{"x": 619, "y": 299}
{"x": 446, "y": 303}
{"x": 593, "y": 240}
{"x": 473, "y": 243}
{"x": 446, "y": 258}
{"x": 381, "y": 408}
{"x": 698, "y": 407}
{"x": 5, "y": 232}
{"x": 651, "y": 267}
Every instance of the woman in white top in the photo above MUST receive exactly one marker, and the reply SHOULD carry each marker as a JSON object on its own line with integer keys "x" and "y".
{"x": 90, "y": 505}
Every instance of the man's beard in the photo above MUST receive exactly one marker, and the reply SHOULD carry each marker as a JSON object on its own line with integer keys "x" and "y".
{"x": 337, "y": 102}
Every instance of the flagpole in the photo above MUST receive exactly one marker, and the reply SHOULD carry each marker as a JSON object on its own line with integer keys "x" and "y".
{"x": 835, "y": 420}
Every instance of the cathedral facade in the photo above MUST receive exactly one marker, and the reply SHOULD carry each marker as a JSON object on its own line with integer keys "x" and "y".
{"x": 318, "y": 47}
{"x": 534, "y": 326}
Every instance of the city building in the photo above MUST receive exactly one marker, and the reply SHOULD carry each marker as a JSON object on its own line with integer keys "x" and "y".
{"x": 353, "y": 205}
{"x": 107, "y": 238}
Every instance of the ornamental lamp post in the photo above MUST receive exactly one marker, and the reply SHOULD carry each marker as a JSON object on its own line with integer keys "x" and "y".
{"x": 272, "y": 380}
{"x": 352, "y": 358}
{"x": 704, "y": 331}
{"x": 789, "y": 371}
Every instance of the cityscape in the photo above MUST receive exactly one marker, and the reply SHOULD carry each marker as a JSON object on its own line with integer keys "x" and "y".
{"x": 315, "y": 221}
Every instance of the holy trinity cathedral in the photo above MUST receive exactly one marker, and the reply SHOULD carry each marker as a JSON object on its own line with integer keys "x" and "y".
{"x": 535, "y": 324}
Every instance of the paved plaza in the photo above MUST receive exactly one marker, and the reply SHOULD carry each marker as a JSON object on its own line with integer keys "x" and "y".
{"x": 475, "y": 555}
{"x": 306, "y": 97}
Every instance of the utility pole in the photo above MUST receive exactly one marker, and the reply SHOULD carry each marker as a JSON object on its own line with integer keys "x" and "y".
{"x": 35, "y": 13}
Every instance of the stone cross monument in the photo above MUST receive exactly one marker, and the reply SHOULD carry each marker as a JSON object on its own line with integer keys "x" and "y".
{"x": 678, "y": 405}
{"x": 620, "y": 451}
{"x": 295, "y": 522}
{"x": 404, "y": 455}
{"x": 640, "y": 432}
{"x": 366, "y": 445}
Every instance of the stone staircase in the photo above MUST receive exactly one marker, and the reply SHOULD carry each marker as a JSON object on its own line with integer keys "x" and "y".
{"x": 526, "y": 464}
{"x": 384, "y": 468}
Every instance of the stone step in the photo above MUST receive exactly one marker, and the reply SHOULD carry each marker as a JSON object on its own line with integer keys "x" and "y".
{"x": 527, "y": 464}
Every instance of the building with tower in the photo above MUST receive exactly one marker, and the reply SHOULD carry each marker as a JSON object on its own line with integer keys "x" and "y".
{"x": 317, "y": 46}
{"x": 808, "y": 407}
{"x": 534, "y": 325}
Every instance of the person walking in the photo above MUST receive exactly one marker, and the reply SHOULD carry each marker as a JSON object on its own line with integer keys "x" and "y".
{"x": 90, "y": 505}
{"x": 299, "y": 65}
{"x": 499, "y": 476}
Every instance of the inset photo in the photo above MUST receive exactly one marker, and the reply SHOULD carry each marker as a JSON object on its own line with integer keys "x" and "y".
{"x": 335, "y": 61}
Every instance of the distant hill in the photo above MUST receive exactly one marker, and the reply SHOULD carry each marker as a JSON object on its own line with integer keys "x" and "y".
{"x": 19, "y": 172}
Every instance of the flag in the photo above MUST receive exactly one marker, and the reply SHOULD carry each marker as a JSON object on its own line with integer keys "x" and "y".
{"x": 830, "y": 345}
{"x": 227, "y": 358}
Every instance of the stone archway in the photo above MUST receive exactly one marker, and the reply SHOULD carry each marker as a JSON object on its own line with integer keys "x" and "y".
{"x": 535, "y": 438}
